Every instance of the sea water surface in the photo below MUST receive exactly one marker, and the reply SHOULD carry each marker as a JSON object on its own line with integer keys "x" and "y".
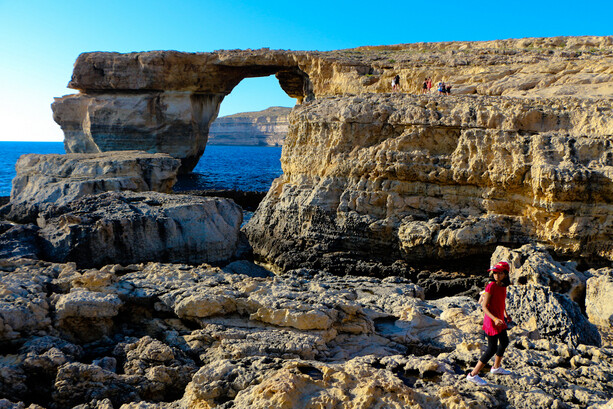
{"x": 247, "y": 168}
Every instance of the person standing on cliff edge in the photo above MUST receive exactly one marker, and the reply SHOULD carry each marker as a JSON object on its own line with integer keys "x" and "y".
{"x": 493, "y": 304}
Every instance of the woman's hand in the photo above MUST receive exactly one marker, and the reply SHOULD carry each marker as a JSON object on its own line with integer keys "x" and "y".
{"x": 498, "y": 322}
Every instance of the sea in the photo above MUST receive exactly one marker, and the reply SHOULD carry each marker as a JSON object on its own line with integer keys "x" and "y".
{"x": 244, "y": 168}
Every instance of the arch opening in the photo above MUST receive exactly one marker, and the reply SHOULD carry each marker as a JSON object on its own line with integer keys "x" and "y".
{"x": 243, "y": 148}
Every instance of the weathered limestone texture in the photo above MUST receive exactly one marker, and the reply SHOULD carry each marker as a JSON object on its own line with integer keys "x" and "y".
{"x": 178, "y": 336}
{"x": 164, "y": 101}
{"x": 18, "y": 240}
{"x": 532, "y": 264}
{"x": 395, "y": 177}
{"x": 132, "y": 227}
{"x": 551, "y": 313}
{"x": 86, "y": 315}
{"x": 262, "y": 128}
{"x": 59, "y": 179}
{"x": 173, "y": 122}
{"x": 599, "y": 298}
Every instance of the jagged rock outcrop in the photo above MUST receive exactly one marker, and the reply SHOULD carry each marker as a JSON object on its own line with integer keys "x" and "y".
{"x": 59, "y": 179}
{"x": 18, "y": 240}
{"x": 599, "y": 294}
{"x": 132, "y": 227}
{"x": 551, "y": 313}
{"x": 532, "y": 264}
{"x": 262, "y": 128}
{"x": 393, "y": 177}
{"x": 199, "y": 337}
{"x": 165, "y": 101}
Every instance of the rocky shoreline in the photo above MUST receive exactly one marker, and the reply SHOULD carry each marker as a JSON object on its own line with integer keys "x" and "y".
{"x": 355, "y": 283}
{"x": 180, "y": 336}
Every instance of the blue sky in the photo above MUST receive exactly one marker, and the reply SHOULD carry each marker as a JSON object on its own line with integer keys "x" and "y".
{"x": 40, "y": 40}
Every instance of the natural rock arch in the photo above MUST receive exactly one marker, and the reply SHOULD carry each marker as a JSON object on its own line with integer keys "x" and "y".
{"x": 164, "y": 101}
{"x": 161, "y": 101}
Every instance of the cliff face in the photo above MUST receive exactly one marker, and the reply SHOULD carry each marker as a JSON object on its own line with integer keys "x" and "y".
{"x": 382, "y": 178}
{"x": 262, "y": 128}
{"x": 165, "y": 101}
{"x": 520, "y": 152}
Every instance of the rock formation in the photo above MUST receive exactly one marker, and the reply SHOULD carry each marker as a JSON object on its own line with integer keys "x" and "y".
{"x": 599, "y": 293}
{"x": 373, "y": 183}
{"x": 59, "y": 179}
{"x": 177, "y": 336}
{"x": 165, "y": 101}
{"x": 391, "y": 177}
{"x": 137, "y": 227}
{"x": 262, "y": 128}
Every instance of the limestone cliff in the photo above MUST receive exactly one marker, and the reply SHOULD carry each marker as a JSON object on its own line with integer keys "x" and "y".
{"x": 165, "y": 101}
{"x": 392, "y": 177}
{"x": 262, "y": 128}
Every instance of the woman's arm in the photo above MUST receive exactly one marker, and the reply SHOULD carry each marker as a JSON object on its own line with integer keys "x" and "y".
{"x": 486, "y": 311}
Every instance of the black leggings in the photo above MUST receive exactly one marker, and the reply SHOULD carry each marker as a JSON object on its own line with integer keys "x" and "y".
{"x": 496, "y": 344}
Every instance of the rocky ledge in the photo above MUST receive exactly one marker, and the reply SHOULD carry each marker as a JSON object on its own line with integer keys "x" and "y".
{"x": 128, "y": 227}
{"x": 194, "y": 336}
{"x": 43, "y": 180}
{"x": 376, "y": 180}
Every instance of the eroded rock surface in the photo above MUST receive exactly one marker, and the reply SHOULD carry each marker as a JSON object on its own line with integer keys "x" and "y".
{"x": 392, "y": 177}
{"x": 599, "y": 294}
{"x": 132, "y": 227}
{"x": 532, "y": 264}
{"x": 59, "y": 179}
{"x": 186, "y": 336}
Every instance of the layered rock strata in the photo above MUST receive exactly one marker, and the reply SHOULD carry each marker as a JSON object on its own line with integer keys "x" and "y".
{"x": 262, "y": 128}
{"x": 132, "y": 227}
{"x": 59, "y": 179}
{"x": 388, "y": 178}
{"x": 179, "y": 336}
{"x": 165, "y": 101}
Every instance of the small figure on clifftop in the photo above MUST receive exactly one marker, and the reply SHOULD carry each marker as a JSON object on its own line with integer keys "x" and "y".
{"x": 395, "y": 83}
{"x": 493, "y": 303}
{"x": 424, "y": 87}
{"x": 441, "y": 87}
{"x": 429, "y": 84}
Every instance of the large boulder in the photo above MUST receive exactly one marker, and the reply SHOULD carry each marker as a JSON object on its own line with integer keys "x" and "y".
{"x": 599, "y": 298}
{"x": 86, "y": 315}
{"x": 59, "y": 179}
{"x": 532, "y": 264}
{"x": 554, "y": 315}
{"x": 132, "y": 227}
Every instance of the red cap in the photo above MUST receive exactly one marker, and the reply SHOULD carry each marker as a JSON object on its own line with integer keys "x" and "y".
{"x": 501, "y": 266}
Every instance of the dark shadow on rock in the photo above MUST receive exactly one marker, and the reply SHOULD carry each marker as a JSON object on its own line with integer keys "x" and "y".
{"x": 246, "y": 200}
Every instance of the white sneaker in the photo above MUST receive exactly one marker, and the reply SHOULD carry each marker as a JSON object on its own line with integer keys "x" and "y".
{"x": 476, "y": 379}
{"x": 500, "y": 371}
